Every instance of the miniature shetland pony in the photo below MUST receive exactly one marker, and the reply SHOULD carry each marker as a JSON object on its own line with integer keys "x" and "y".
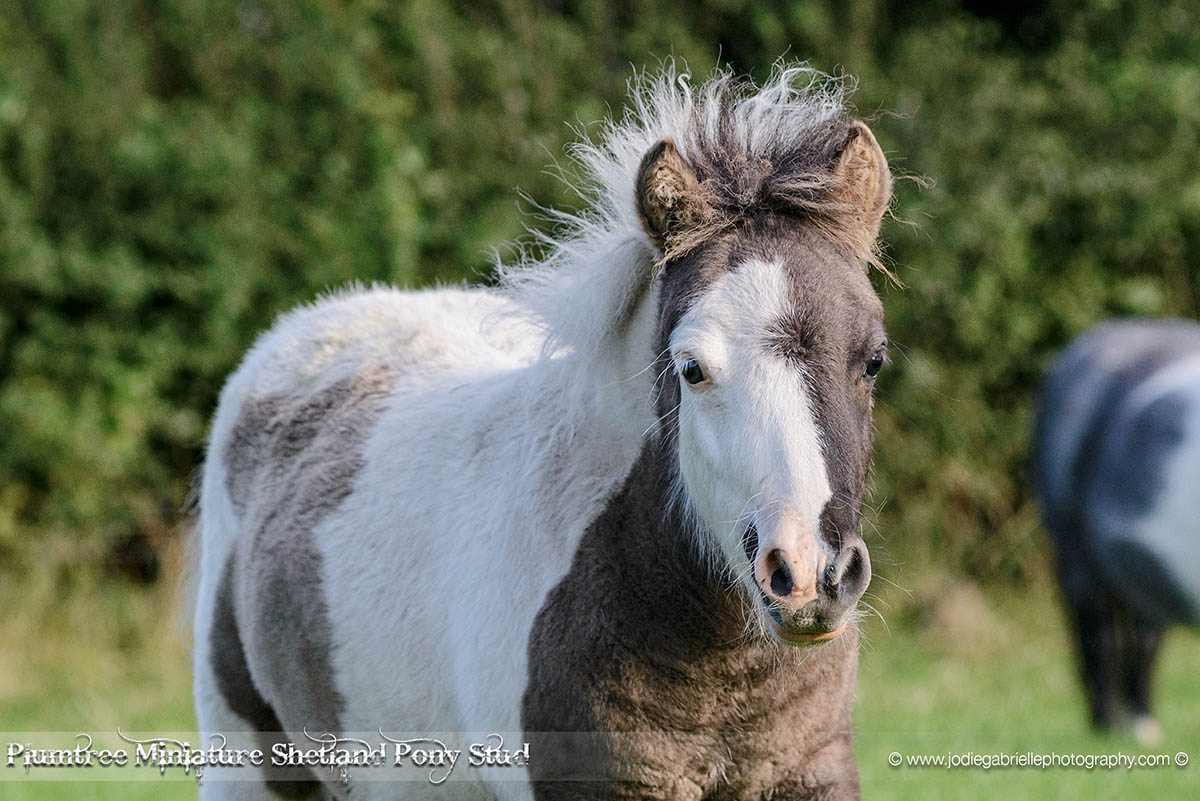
{"x": 609, "y": 508}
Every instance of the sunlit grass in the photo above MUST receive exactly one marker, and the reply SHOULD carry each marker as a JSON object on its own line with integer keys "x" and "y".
{"x": 83, "y": 654}
{"x": 998, "y": 676}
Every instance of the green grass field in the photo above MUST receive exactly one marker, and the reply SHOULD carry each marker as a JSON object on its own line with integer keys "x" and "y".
{"x": 998, "y": 677}
{"x": 957, "y": 672}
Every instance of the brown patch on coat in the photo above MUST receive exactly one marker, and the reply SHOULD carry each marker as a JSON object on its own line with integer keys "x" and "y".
{"x": 642, "y": 684}
{"x": 246, "y": 452}
{"x": 290, "y": 462}
{"x": 237, "y": 688}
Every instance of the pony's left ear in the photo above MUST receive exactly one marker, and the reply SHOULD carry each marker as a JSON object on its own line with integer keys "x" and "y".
{"x": 670, "y": 198}
{"x": 864, "y": 185}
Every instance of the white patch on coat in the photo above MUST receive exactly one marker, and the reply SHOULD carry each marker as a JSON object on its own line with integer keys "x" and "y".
{"x": 431, "y": 335}
{"x": 1172, "y": 529}
{"x": 750, "y": 449}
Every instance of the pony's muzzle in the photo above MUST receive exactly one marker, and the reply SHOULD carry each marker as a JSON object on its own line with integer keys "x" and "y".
{"x": 808, "y": 595}
{"x": 787, "y": 564}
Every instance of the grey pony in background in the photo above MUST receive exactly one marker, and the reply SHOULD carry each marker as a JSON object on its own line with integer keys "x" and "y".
{"x": 1116, "y": 463}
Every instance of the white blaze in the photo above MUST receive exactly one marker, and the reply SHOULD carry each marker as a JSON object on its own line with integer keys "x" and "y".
{"x": 749, "y": 447}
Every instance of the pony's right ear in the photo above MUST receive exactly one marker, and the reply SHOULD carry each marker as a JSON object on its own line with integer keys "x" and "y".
{"x": 670, "y": 199}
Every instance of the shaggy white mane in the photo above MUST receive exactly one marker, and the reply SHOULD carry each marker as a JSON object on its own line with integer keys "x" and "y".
{"x": 751, "y": 145}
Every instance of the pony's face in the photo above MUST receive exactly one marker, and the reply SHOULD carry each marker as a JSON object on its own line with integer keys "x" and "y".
{"x": 774, "y": 361}
{"x": 773, "y": 338}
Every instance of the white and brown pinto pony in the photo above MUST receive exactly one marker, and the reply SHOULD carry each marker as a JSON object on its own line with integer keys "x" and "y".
{"x": 596, "y": 509}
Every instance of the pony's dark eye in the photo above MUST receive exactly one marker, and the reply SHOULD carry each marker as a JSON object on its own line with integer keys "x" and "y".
{"x": 874, "y": 364}
{"x": 691, "y": 372}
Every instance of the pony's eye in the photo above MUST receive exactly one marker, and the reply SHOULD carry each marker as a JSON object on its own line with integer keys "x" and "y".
{"x": 874, "y": 364}
{"x": 692, "y": 372}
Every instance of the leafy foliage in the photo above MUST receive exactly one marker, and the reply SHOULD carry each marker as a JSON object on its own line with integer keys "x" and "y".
{"x": 172, "y": 175}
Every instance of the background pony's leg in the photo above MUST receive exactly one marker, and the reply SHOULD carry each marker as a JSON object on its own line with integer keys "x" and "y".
{"x": 1139, "y": 650}
{"x": 1094, "y": 620}
{"x": 1096, "y": 637}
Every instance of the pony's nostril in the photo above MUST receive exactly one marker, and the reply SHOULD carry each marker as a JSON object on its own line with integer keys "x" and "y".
{"x": 781, "y": 575}
{"x": 847, "y": 573}
{"x": 781, "y": 582}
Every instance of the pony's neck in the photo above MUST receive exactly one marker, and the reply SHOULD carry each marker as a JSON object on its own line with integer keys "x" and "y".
{"x": 610, "y": 383}
{"x": 597, "y": 392}
{"x": 596, "y": 301}
{"x": 617, "y": 326}
{"x": 584, "y": 409}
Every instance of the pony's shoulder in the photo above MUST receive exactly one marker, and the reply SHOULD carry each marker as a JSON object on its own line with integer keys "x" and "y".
{"x": 324, "y": 368}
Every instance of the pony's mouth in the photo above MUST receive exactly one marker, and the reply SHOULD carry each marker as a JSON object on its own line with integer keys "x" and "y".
{"x": 804, "y": 638}
{"x": 808, "y": 627}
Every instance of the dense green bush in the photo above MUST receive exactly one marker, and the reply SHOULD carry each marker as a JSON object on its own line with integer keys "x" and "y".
{"x": 174, "y": 174}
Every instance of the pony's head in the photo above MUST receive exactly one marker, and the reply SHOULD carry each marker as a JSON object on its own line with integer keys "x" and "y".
{"x": 764, "y": 208}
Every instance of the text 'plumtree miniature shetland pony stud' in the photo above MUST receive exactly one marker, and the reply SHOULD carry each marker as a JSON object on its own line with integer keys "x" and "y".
{"x": 596, "y": 509}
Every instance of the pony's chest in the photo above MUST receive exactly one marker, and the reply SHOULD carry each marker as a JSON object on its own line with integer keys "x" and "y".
{"x": 692, "y": 740}
{"x": 716, "y": 727}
